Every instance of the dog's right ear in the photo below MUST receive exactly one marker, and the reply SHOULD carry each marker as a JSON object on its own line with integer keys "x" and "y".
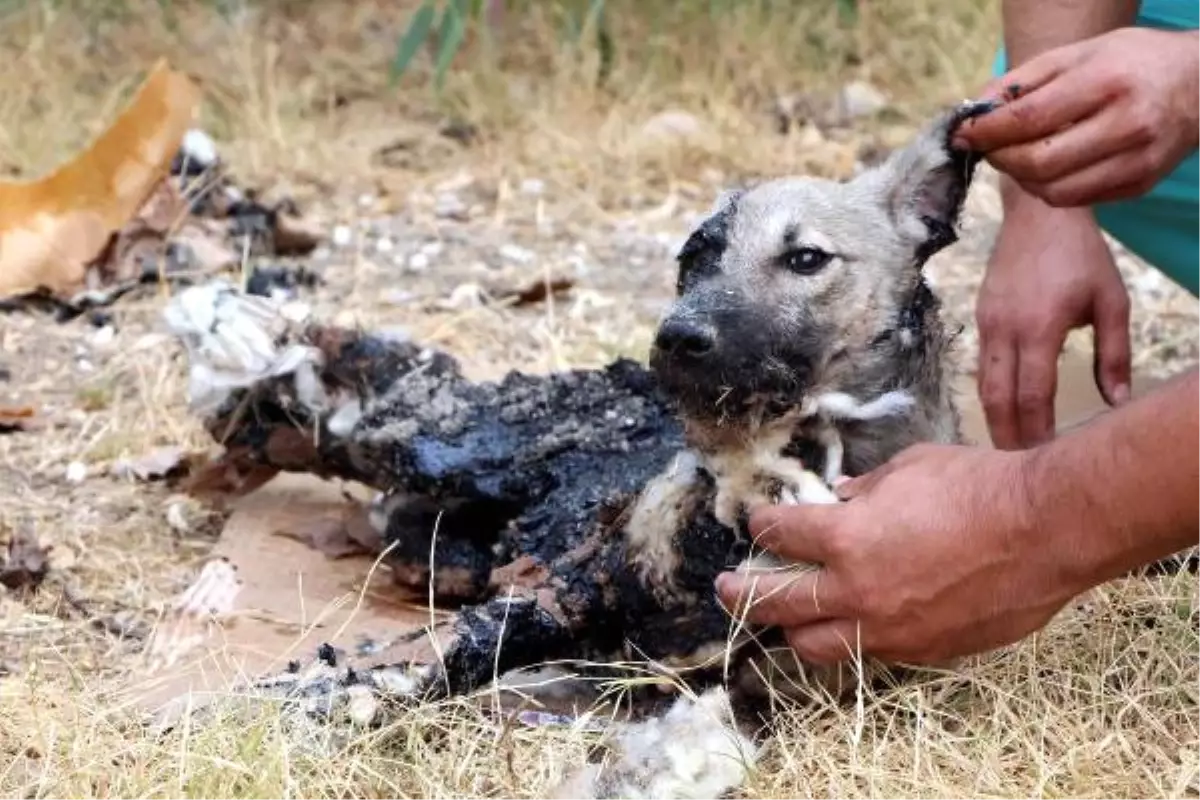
{"x": 922, "y": 186}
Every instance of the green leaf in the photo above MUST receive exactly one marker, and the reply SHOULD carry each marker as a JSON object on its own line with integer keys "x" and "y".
{"x": 412, "y": 39}
{"x": 454, "y": 27}
{"x": 593, "y": 17}
{"x": 848, "y": 11}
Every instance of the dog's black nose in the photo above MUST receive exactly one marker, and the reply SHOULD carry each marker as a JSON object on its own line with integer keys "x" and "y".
{"x": 685, "y": 338}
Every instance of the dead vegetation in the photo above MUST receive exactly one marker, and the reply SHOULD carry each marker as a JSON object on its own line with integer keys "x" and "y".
{"x": 549, "y": 173}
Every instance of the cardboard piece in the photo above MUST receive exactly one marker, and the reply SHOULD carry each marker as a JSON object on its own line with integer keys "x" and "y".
{"x": 1077, "y": 400}
{"x": 293, "y": 598}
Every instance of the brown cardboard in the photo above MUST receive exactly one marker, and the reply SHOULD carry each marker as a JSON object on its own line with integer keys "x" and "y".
{"x": 294, "y": 598}
{"x": 1077, "y": 399}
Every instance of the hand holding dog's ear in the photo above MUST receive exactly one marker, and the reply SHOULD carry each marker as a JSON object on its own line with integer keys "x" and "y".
{"x": 921, "y": 564}
{"x": 1099, "y": 120}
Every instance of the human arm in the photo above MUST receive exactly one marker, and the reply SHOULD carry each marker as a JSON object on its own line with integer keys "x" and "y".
{"x": 1050, "y": 270}
{"x": 948, "y": 550}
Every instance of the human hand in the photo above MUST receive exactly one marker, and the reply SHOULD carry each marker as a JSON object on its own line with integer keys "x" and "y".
{"x": 1050, "y": 272}
{"x": 1102, "y": 119}
{"x": 932, "y": 558}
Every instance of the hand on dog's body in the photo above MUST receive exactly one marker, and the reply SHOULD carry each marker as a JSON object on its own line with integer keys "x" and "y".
{"x": 949, "y": 550}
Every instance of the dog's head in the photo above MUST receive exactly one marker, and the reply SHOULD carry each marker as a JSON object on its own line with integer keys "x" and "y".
{"x": 788, "y": 286}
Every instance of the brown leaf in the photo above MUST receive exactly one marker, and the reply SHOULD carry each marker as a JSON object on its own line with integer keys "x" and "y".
{"x": 26, "y": 562}
{"x": 19, "y": 418}
{"x": 51, "y": 229}
{"x": 295, "y": 236}
{"x": 536, "y": 292}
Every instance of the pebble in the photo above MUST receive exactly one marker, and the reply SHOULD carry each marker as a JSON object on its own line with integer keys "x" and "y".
{"x": 103, "y": 337}
{"x": 418, "y": 262}
{"x": 533, "y": 187}
{"x": 861, "y": 99}
{"x": 341, "y": 236}
{"x": 672, "y": 125}
{"x": 176, "y": 517}
{"x": 449, "y": 206}
{"x": 77, "y": 472}
{"x": 517, "y": 254}
{"x": 200, "y": 148}
{"x": 384, "y": 245}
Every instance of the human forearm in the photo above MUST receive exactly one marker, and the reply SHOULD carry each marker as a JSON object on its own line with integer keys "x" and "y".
{"x": 1032, "y": 27}
{"x": 1121, "y": 491}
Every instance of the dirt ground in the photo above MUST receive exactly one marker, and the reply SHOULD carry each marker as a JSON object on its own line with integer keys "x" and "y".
{"x": 433, "y": 204}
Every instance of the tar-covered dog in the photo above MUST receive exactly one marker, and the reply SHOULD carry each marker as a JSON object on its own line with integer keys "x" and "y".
{"x": 585, "y": 515}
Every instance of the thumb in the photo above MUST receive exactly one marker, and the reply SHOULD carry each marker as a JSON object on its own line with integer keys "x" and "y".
{"x": 797, "y": 533}
{"x": 1112, "y": 367}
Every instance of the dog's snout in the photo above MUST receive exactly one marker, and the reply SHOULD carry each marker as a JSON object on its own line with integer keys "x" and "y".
{"x": 688, "y": 338}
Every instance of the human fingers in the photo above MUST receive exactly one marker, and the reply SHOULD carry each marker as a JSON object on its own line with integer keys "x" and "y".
{"x": 1112, "y": 359}
{"x": 829, "y": 642}
{"x": 1041, "y": 97}
{"x": 785, "y": 597}
{"x": 1037, "y": 385}
{"x": 997, "y": 385}
{"x": 1069, "y": 151}
{"x": 1121, "y": 176}
{"x": 796, "y": 533}
{"x": 849, "y": 488}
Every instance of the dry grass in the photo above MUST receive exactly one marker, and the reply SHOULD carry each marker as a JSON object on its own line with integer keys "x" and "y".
{"x": 1104, "y": 703}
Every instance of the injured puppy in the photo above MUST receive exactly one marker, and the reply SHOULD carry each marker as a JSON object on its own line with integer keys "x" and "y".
{"x": 584, "y": 516}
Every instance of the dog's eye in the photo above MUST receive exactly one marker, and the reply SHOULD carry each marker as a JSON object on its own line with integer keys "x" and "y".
{"x": 806, "y": 260}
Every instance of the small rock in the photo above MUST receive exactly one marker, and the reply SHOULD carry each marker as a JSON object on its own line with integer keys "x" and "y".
{"x": 533, "y": 187}
{"x": 399, "y": 297}
{"x": 342, "y": 236}
{"x": 103, "y": 337}
{"x": 432, "y": 249}
{"x": 366, "y": 200}
{"x": 176, "y": 518}
{"x": 673, "y": 125}
{"x": 77, "y": 472}
{"x": 418, "y": 262}
{"x": 810, "y": 136}
{"x": 860, "y": 99}
{"x": 384, "y": 245}
{"x": 517, "y": 254}
{"x": 200, "y": 147}
{"x": 450, "y": 206}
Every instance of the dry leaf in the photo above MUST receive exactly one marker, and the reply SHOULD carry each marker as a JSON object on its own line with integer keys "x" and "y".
{"x": 26, "y": 562}
{"x": 53, "y": 228}
{"x": 296, "y": 236}
{"x": 536, "y": 292}
{"x": 18, "y": 418}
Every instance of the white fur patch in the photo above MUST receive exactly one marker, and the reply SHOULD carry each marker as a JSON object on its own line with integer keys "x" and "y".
{"x": 693, "y": 751}
{"x": 234, "y": 341}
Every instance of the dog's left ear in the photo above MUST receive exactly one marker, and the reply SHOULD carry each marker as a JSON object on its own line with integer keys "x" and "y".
{"x": 923, "y": 185}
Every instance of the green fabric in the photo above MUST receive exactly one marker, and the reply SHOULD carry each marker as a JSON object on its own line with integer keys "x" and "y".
{"x": 1162, "y": 226}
